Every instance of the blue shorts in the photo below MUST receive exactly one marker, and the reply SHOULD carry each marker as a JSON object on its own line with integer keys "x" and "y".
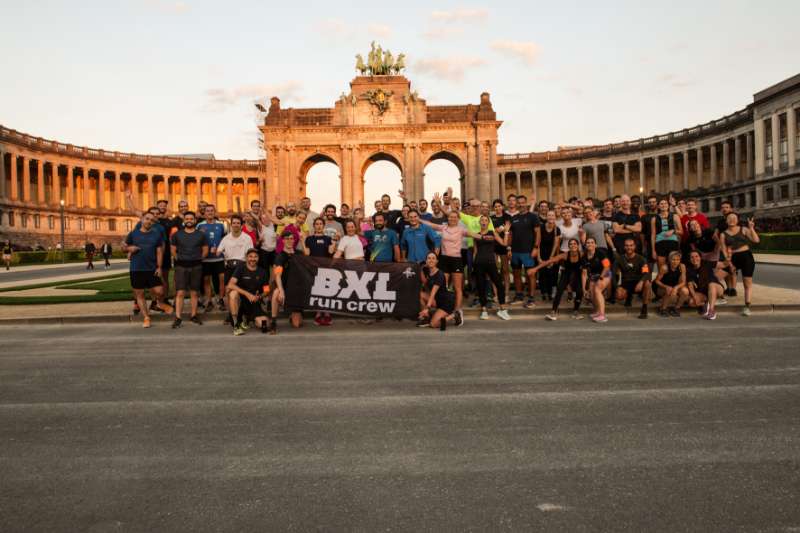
{"x": 522, "y": 259}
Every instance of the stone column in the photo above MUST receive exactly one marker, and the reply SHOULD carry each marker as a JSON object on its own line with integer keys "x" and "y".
{"x": 750, "y": 161}
{"x": 70, "y": 188}
{"x": 657, "y": 174}
{"x": 85, "y": 188}
{"x": 181, "y": 188}
{"x": 671, "y": 171}
{"x": 627, "y": 176}
{"x": 347, "y": 178}
{"x": 2, "y": 177}
{"x": 55, "y": 184}
{"x": 595, "y": 182}
{"x": 471, "y": 170}
{"x": 791, "y": 135}
{"x": 246, "y": 193}
{"x": 564, "y": 192}
{"x": 151, "y": 193}
{"x": 550, "y": 185}
{"x": 119, "y": 201}
{"x": 502, "y": 177}
{"x": 737, "y": 158}
{"x": 494, "y": 188}
{"x": 611, "y": 180}
{"x": 40, "y": 181}
{"x": 776, "y": 143}
{"x": 760, "y": 135}
{"x": 229, "y": 194}
{"x": 26, "y": 179}
{"x": 714, "y": 177}
{"x": 580, "y": 182}
{"x": 699, "y": 166}
{"x": 13, "y": 177}
{"x": 101, "y": 193}
{"x": 726, "y": 167}
{"x": 518, "y": 182}
{"x": 642, "y": 182}
{"x": 685, "y": 169}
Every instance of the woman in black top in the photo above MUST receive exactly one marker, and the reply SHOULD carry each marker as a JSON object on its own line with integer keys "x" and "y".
{"x": 598, "y": 268}
{"x": 499, "y": 219}
{"x": 572, "y": 274}
{"x": 703, "y": 284}
{"x": 485, "y": 264}
{"x": 438, "y": 304}
{"x": 548, "y": 245}
{"x": 670, "y": 286}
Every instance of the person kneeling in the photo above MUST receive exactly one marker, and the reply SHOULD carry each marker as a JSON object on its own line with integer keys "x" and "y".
{"x": 434, "y": 294}
{"x": 280, "y": 275}
{"x": 248, "y": 285}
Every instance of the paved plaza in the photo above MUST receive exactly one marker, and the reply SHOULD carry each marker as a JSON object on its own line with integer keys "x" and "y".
{"x": 668, "y": 425}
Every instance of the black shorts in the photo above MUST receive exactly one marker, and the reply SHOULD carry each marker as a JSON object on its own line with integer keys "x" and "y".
{"x": 266, "y": 259}
{"x": 451, "y": 265}
{"x": 230, "y": 268}
{"x": 188, "y": 278}
{"x": 630, "y": 286}
{"x": 446, "y": 303}
{"x": 744, "y": 262}
{"x": 212, "y": 268}
{"x": 664, "y": 248}
{"x": 144, "y": 279}
{"x": 250, "y": 310}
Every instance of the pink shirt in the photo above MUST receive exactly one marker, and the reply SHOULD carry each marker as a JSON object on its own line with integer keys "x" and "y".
{"x": 451, "y": 240}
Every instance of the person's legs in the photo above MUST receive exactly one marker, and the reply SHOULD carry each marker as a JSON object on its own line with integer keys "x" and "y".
{"x": 138, "y": 295}
{"x": 179, "y": 296}
{"x": 518, "y": 284}
{"x": 494, "y": 277}
{"x": 598, "y": 288}
{"x": 438, "y": 316}
{"x": 458, "y": 285}
{"x": 233, "y": 306}
{"x": 222, "y": 288}
{"x": 480, "y": 279}
{"x": 563, "y": 281}
{"x": 748, "y": 290}
{"x": 207, "y": 288}
{"x": 193, "y": 298}
{"x": 504, "y": 271}
{"x": 577, "y": 288}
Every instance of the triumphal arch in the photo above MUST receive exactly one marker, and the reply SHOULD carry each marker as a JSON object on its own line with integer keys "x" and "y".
{"x": 380, "y": 118}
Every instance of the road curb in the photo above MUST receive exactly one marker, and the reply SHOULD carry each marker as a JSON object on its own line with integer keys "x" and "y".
{"x": 541, "y": 310}
{"x": 777, "y": 264}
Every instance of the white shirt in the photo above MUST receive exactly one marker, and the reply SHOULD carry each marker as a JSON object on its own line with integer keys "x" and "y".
{"x": 568, "y": 233}
{"x": 235, "y": 248}
{"x": 351, "y": 247}
{"x": 269, "y": 240}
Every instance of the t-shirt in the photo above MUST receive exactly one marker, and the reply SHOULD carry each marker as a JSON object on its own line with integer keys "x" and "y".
{"x": 473, "y": 224}
{"x": 417, "y": 242}
{"x": 699, "y": 217}
{"x": 283, "y": 262}
{"x": 189, "y": 247}
{"x": 269, "y": 239}
{"x": 332, "y": 228}
{"x": 567, "y": 233}
{"x": 620, "y": 238}
{"x": 705, "y": 243}
{"x": 499, "y": 222}
{"x": 144, "y": 260}
{"x": 451, "y": 240}
{"x": 444, "y": 299}
{"x": 596, "y": 230}
{"x": 701, "y": 276}
{"x": 647, "y": 223}
{"x": 381, "y": 245}
{"x": 351, "y": 247}
{"x": 253, "y": 281}
{"x": 235, "y": 248}
{"x": 632, "y": 269}
{"x": 318, "y": 245}
{"x": 214, "y": 232}
{"x": 523, "y": 226}
{"x": 485, "y": 249}
{"x": 597, "y": 263}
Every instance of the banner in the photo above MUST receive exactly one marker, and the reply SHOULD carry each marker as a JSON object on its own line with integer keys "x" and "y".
{"x": 353, "y": 287}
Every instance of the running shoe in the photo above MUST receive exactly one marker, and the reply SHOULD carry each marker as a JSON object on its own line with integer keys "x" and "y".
{"x": 146, "y": 322}
{"x": 238, "y": 331}
{"x": 273, "y": 326}
{"x": 746, "y": 311}
{"x": 221, "y": 304}
{"x": 600, "y": 318}
{"x": 177, "y": 323}
{"x": 318, "y": 320}
{"x": 643, "y": 314}
{"x": 423, "y": 322}
{"x": 674, "y": 312}
{"x": 529, "y": 304}
{"x": 732, "y": 293}
{"x": 196, "y": 320}
{"x": 722, "y": 301}
{"x": 484, "y": 315}
{"x": 518, "y": 298}
{"x": 703, "y": 310}
{"x": 663, "y": 313}
{"x": 136, "y": 309}
{"x": 458, "y": 319}
{"x": 711, "y": 316}
{"x": 245, "y": 325}
{"x": 551, "y": 316}
{"x": 576, "y": 315}
{"x": 503, "y": 314}
{"x": 209, "y": 306}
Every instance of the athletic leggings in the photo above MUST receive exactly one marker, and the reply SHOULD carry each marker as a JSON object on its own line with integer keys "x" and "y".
{"x": 574, "y": 280}
{"x": 547, "y": 279}
{"x": 481, "y": 271}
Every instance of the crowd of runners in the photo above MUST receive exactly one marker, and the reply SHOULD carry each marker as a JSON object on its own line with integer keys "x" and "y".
{"x": 592, "y": 253}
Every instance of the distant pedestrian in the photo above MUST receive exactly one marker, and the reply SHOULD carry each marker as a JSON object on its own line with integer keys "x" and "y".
{"x": 90, "y": 250}
{"x": 7, "y": 251}
{"x": 106, "y": 251}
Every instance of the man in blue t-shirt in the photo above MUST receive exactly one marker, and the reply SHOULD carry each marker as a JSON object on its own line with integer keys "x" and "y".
{"x": 384, "y": 244}
{"x": 214, "y": 264}
{"x": 145, "y": 246}
{"x": 417, "y": 239}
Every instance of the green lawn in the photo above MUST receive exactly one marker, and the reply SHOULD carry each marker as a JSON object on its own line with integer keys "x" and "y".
{"x": 109, "y": 289}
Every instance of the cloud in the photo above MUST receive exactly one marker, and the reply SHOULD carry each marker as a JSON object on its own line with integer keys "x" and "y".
{"x": 168, "y": 6}
{"x": 379, "y": 30}
{"x": 526, "y": 51}
{"x": 442, "y": 32}
{"x": 448, "y": 68}
{"x": 460, "y": 15}
{"x": 220, "y": 99}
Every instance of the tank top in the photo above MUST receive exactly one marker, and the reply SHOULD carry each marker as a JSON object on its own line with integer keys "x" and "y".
{"x": 672, "y": 277}
{"x": 665, "y": 225}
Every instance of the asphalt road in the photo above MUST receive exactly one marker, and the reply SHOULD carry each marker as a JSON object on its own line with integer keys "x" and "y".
{"x": 664, "y": 425}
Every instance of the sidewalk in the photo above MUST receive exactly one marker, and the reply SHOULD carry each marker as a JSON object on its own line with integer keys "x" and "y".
{"x": 778, "y": 259}
{"x": 766, "y": 299}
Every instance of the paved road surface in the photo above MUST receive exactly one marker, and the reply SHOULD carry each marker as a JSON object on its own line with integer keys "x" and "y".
{"x": 667, "y": 425}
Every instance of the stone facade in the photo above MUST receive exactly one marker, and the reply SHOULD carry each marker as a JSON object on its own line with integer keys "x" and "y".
{"x": 751, "y": 157}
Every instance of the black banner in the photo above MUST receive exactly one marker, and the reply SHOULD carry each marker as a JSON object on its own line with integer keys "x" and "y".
{"x": 353, "y": 287}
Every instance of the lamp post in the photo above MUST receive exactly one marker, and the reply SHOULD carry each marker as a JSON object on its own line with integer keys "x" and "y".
{"x": 62, "y": 231}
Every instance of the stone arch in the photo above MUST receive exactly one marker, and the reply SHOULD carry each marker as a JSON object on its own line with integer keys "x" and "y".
{"x": 381, "y": 155}
{"x": 303, "y": 172}
{"x": 454, "y": 158}
{"x": 370, "y": 193}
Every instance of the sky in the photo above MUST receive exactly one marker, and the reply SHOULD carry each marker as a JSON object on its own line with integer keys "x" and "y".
{"x": 167, "y": 76}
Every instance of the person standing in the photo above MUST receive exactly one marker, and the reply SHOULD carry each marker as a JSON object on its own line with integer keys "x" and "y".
{"x": 384, "y": 244}
{"x": 526, "y": 236}
{"x": 106, "y": 250}
{"x": 233, "y": 248}
{"x": 189, "y": 247}
{"x": 7, "y": 254}
{"x": 213, "y": 265}
{"x": 90, "y": 250}
{"x": 735, "y": 242}
{"x": 145, "y": 247}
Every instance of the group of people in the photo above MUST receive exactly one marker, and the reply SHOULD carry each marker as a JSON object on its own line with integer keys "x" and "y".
{"x": 594, "y": 253}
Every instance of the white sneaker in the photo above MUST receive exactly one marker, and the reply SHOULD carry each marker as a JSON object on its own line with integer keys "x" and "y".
{"x": 746, "y": 311}
{"x": 484, "y": 315}
{"x": 551, "y": 316}
{"x": 722, "y": 301}
{"x": 503, "y": 314}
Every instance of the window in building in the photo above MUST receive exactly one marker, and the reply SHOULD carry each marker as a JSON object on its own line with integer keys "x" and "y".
{"x": 740, "y": 200}
{"x": 81, "y": 224}
{"x": 128, "y": 225}
{"x": 752, "y": 197}
{"x": 112, "y": 224}
{"x": 797, "y": 189}
{"x": 783, "y": 147}
{"x": 51, "y": 221}
{"x": 23, "y": 220}
{"x": 37, "y": 221}
{"x": 796, "y": 137}
{"x": 768, "y": 145}
{"x": 97, "y": 224}
{"x": 784, "y": 192}
{"x": 704, "y": 206}
{"x": 769, "y": 194}
{"x": 717, "y": 204}
{"x": 11, "y": 218}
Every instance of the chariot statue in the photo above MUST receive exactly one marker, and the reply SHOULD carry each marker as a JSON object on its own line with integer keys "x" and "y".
{"x": 380, "y": 62}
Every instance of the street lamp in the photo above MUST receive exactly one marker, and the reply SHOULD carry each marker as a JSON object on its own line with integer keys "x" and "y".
{"x": 62, "y": 230}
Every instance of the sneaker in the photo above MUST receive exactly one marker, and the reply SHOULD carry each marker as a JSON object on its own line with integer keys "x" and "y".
{"x": 423, "y": 322}
{"x": 460, "y": 312}
{"x": 221, "y": 304}
{"x": 318, "y": 320}
{"x": 484, "y": 315}
{"x": 146, "y": 322}
{"x": 209, "y": 306}
{"x": 643, "y": 314}
{"x": 273, "y": 327}
{"x": 600, "y": 318}
{"x": 710, "y": 316}
{"x": 245, "y": 325}
{"x": 746, "y": 311}
{"x": 703, "y": 310}
{"x": 663, "y": 313}
{"x": 458, "y": 319}
{"x": 674, "y": 312}
{"x": 732, "y": 293}
{"x": 196, "y": 320}
{"x": 577, "y": 316}
{"x": 517, "y": 298}
{"x": 722, "y": 301}
{"x": 551, "y": 316}
{"x": 503, "y": 314}
{"x": 177, "y": 323}
{"x": 264, "y": 327}
{"x": 529, "y": 304}
{"x": 238, "y": 331}
{"x": 154, "y": 306}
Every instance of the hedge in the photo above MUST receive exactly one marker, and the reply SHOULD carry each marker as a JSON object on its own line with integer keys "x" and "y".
{"x": 778, "y": 241}
{"x": 53, "y": 256}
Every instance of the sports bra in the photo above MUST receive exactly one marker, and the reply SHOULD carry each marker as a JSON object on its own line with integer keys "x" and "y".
{"x": 737, "y": 240}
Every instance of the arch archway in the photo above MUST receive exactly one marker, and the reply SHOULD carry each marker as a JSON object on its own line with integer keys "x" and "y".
{"x": 382, "y": 174}
{"x": 442, "y": 170}
{"x": 322, "y": 178}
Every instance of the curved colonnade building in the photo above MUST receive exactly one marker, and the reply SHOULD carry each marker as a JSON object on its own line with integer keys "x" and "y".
{"x": 751, "y": 157}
